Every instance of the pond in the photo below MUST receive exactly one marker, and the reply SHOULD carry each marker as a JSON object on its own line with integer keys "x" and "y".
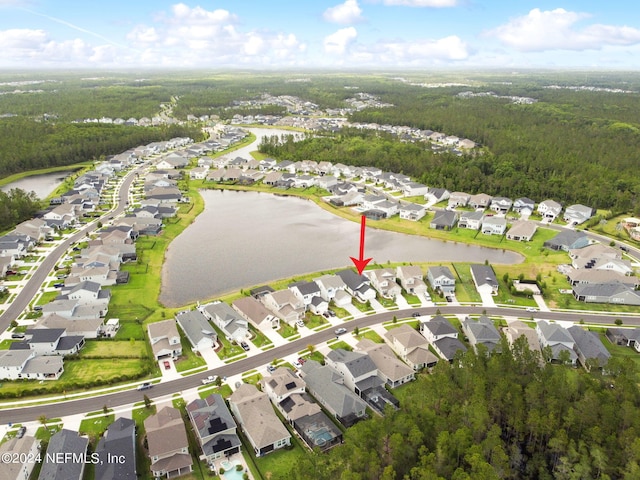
{"x": 244, "y": 239}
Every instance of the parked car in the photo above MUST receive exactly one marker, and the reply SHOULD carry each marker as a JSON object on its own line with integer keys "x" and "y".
{"x": 300, "y": 323}
{"x": 271, "y": 368}
{"x": 21, "y": 431}
{"x": 209, "y": 379}
{"x": 416, "y": 314}
{"x": 18, "y": 336}
{"x": 245, "y": 346}
{"x": 144, "y": 386}
{"x": 167, "y": 365}
{"x": 340, "y": 331}
{"x": 58, "y": 285}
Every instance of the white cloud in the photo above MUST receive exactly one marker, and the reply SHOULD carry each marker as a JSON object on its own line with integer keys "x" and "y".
{"x": 16, "y": 39}
{"x": 422, "y": 3}
{"x": 186, "y": 36}
{"x": 338, "y": 42}
{"x": 556, "y": 30}
{"x": 184, "y": 14}
{"x": 419, "y": 52}
{"x": 345, "y": 13}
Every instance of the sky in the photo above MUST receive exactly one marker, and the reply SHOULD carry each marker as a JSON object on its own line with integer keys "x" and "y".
{"x": 324, "y": 34}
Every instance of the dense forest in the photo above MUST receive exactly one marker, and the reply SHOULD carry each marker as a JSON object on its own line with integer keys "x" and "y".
{"x": 498, "y": 416}
{"x": 578, "y": 142}
{"x": 16, "y": 205}
{"x": 28, "y": 145}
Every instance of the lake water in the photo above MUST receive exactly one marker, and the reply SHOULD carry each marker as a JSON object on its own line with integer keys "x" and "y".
{"x": 244, "y": 239}
{"x": 43, "y": 185}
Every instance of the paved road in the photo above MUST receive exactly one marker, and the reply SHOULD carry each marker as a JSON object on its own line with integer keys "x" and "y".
{"x": 39, "y": 276}
{"x": 115, "y": 400}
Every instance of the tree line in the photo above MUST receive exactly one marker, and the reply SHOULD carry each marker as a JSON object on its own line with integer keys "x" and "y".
{"x": 16, "y": 205}
{"x": 496, "y": 416}
{"x": 28, "y": 145}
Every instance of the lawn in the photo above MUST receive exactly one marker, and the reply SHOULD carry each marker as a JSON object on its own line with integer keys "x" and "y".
{"x": 465, "y": 288}
{"x": 95, "y": 426}
{"x": 369, "y": 334}
{"x": 188, "y": 360}
{"x": 314, "y": 321}
{"x": 259, "y": 339}
{"x": 78, "y": 376}
{"x": 278, "y": 464}
{"x": 114, "y": 349}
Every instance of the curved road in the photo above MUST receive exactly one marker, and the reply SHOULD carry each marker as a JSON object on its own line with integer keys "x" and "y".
{"x": 120, "y": 399}
{"x": 39, "y": 276}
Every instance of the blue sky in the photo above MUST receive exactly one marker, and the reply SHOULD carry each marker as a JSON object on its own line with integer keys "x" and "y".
{"x": 319, "y": 34}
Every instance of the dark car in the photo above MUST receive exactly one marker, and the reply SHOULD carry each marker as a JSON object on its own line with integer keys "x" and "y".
{"x": 18, "y": 336}
{"x": 416, "y": 314}
{"x": 21, "y": 431}
{"x": 58, "y": 285}
{"x": 245, "y": 346}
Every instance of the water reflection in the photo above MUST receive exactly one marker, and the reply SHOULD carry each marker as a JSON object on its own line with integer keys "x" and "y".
{"x": 244, "y": 239}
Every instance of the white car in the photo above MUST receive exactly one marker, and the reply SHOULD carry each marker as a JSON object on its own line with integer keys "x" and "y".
{"x": 532, "y": 309}
{"x": 209, "y": 379}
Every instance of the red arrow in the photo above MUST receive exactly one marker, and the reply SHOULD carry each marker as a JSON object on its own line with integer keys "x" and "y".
{"x": 361, "y": 262}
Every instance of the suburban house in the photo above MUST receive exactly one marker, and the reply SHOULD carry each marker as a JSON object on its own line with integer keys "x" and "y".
{"x": 441, "y": 278}
{"x": 329, "y": 286}
{"x": 357, "y": 285}
{"x": 23, "y": 364}
{"x": 597, "y": 276}
{"x": 214, "y": 427}
{"x": 471, "y": 220}
{"x": 589, "y": 348}
{"x": 501, "y": 205}
{"x": 85, "y": 327}
{"x": 392, "y": 370}
{"x": 493, "y": 225}
{"x": 481, "y": 332}
{"x": 305, "y": 291}
{"x": 23, "y": 449}
{"x": 411, "y": 211}
{"x": 327, "y": 386}
{"x": 255, "y": 312}
{"x": 411, "y": 347}
{"x": 62, "y": 443}
{"x": 258, "y": 420}
{"x": 607, "y": 293}
{"x": 549, "y": 210}
{"x": 168, "y": 446}
{"x": 49, "y": 341}
{"x": 522, "y": 231}
{"x": 567, "y": 240}
{"x": 524, "y": 206}
{"x": 484, "y": 278}
{"x": 480, "y": 201}
{"x": 118, "y": 441}
{"x": 516, "y": 329}
{"x": 444, "y": 220}
{"x": 443, "y": 337}
{"x": 285, "y": 305}
{"x": 384, "y": 281}
{"x": 164, "y": 339}
{"x": 458, "y": 199}
{"x": 288, "y": 393}
{"x": 197, "y": 329}
{"x": 629, "y": 337}
{"x": 234, "y": 326}
{"x": 577, "y": 214}
{"x": 558, "y": 340}
{"x": 411, "y": 189}
{"x": 410, "y": 278}
{"x": 437, "y": 195}
{"x": 360, "y": 375}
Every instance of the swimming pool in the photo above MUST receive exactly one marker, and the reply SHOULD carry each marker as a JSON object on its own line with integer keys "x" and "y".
{"x": 230, "y": 472}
